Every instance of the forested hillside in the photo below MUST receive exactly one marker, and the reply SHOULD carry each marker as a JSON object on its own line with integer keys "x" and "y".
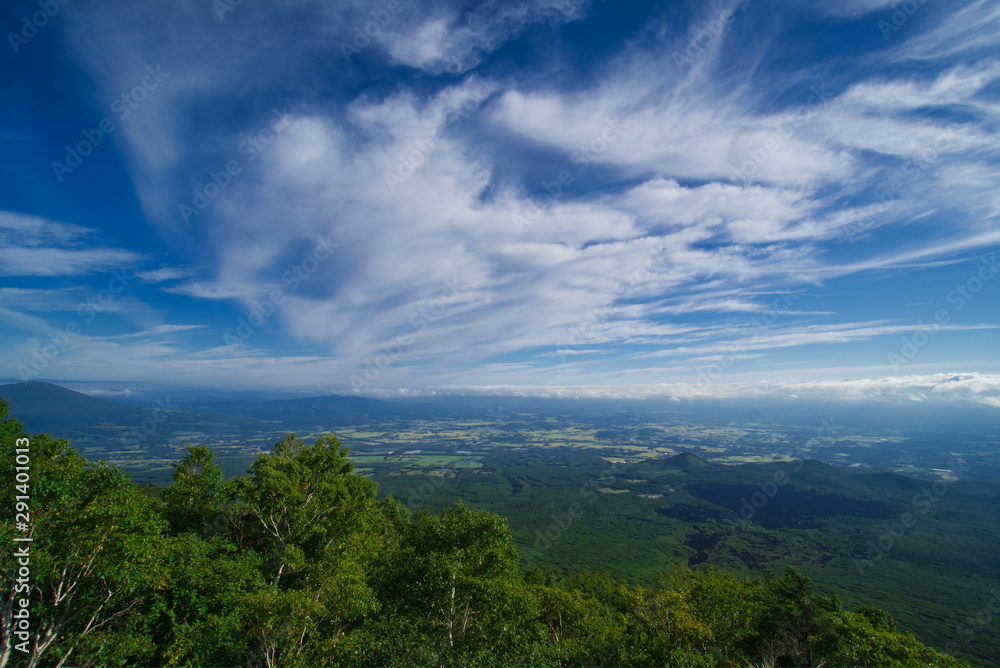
{"x": 299, "y": 563}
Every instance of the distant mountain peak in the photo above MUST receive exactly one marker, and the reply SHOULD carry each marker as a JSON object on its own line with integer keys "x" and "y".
{"x": 47, "y": 407}
{"x": 687, "y": 459}
{"x": 40, "y": 389}
{"x": 684, "y": 461}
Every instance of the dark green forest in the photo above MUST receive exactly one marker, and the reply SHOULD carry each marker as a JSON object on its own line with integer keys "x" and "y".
{"x": 569, "y": 509}
{"x": 299, "y": 562}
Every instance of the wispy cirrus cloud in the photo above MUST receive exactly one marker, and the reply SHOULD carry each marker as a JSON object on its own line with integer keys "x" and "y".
{"x": 36, "y": 299}
{"x": 163, "y": 274}
{"x": 810, "y": 335}
{"x": 942, "y": 388}
{"x": 454, "y": 41}
{"x": 36, "y": 246}
{"x": 661, "y": 205}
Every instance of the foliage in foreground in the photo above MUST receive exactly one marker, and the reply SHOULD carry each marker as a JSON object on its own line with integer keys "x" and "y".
{"x": 298, "y": 563}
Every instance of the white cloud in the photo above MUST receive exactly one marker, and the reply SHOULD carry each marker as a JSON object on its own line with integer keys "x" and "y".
{"x": 456, "y": 42}
{"x": 971, "y": 29}
{"x": 976, "y": 388}
{"x": 852, "y": 8}
{"x": 702, "y": 196}
{"x": 785, "y": 337}
{"x": 36, "y": 299}
{"x": 162, "y": 275}
{"x": 60, "y": 261}
{"x": 36, "y": 246}
{"x": 205, "y": 290}
{"x": 159, "y": 330}
{"x": 11, "y": 316}
{"x": 677, "y": 130}
{"x": 113, "y": 394}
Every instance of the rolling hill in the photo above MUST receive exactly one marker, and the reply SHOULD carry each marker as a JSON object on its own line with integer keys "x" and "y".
{"x": 49, "y": 408}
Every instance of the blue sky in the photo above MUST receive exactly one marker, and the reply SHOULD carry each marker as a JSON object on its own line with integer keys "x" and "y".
{"x": 560, "y": 197}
